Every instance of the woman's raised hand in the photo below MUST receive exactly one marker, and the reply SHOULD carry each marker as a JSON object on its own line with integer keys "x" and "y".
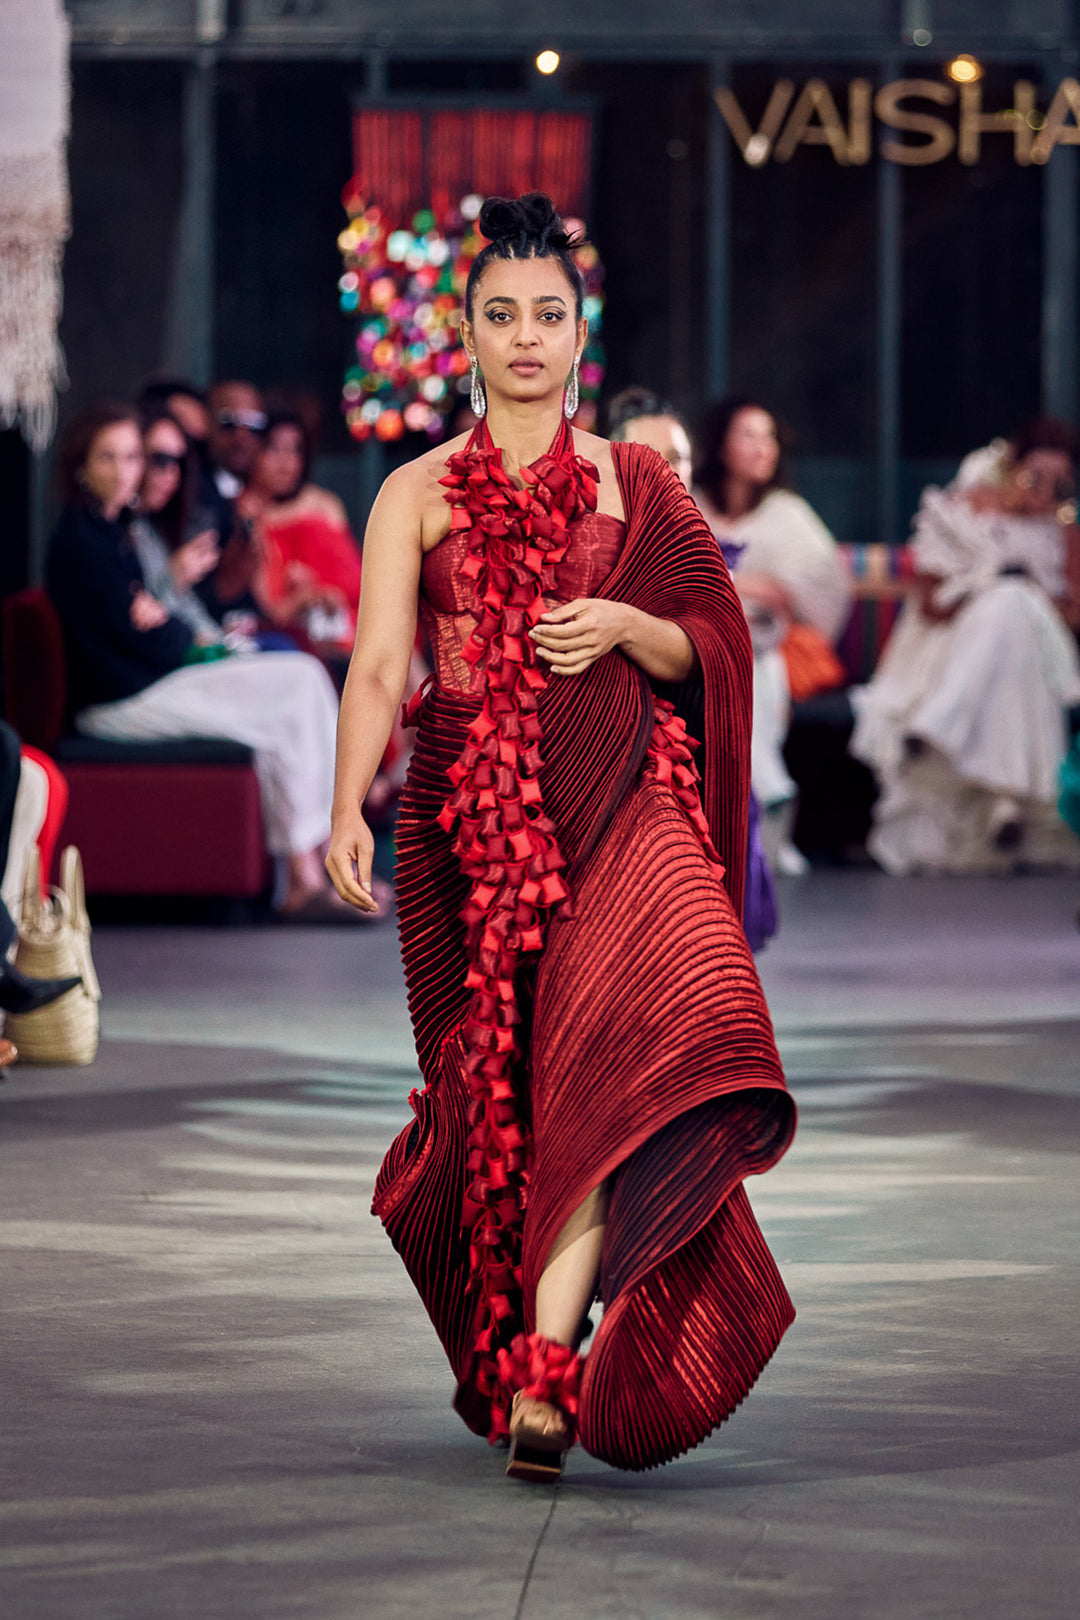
{"x": 147, "y": 612}
{"x": 192, "y": 561}
{"x": 572, "y": 636}
{"x": 348, "y": 860}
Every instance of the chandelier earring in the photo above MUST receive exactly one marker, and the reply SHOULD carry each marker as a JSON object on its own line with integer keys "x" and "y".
{"x": 477, "y": 397}
{"x": 572, "y": 394}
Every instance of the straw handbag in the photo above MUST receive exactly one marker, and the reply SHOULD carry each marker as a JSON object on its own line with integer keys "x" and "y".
{"x": 54, "y": 941}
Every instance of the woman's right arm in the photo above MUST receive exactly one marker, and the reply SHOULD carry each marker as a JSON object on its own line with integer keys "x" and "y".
{"x": 385, "y": 633}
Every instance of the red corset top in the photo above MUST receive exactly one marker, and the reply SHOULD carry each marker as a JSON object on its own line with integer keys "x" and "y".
{"x": 445, "y": 595}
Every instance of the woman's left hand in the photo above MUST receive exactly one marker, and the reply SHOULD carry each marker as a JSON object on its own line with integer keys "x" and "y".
{"x": 192, "y": 561}
{"x": 571, "y": 637}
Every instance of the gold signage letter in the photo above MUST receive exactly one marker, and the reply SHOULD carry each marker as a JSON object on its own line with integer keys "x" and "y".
{"x": 815, "y": 101}
{"x": 860, "y": 124}
{"x": 942, "y": 138}
{"x": 755, "y": 146}
{"x": 1058, "y": 130}
{"x": 1014, "y": 121}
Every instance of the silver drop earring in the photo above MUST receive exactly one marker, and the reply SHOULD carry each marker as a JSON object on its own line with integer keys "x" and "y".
{"x": 572, "y": 395}
{"x": 477, "y": 397}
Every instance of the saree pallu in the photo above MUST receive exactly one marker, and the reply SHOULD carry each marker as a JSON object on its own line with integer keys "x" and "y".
{"x": 650, "y": 1056}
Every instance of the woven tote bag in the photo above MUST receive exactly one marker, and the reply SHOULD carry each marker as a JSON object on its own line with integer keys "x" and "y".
{"x": 54, "y": 941}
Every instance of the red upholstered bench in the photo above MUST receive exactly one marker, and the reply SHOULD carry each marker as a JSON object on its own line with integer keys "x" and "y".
{"x": 176, "y": 818}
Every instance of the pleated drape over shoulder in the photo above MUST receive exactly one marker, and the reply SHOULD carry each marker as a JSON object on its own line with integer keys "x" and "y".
{"x": 633, "y": 1045}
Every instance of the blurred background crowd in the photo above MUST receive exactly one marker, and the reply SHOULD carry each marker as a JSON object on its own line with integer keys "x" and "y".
{"x": 835, "y": 288}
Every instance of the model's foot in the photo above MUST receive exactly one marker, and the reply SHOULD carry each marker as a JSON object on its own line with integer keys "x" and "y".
{"x": 540, "y": 1436}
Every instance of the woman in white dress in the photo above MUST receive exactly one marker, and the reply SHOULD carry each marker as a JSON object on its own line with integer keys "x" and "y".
{"x": 794, "y": 586}
{"x": 964, "y": 722}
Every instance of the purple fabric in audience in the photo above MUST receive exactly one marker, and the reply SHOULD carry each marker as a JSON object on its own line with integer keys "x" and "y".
{"x": 760, "y": 919}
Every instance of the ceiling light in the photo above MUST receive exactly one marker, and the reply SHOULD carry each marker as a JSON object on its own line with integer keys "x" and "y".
{"x": 547, "y": 62}
{"x": 964, "y": 69}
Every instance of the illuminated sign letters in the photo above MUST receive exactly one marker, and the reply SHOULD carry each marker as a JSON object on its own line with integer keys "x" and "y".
{"x": 922, "y": 121}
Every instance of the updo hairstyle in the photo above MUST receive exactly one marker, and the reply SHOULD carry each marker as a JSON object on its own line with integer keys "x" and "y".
{"x": 526, "y": 227}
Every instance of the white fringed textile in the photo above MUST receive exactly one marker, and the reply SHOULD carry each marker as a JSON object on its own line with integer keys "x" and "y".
{"x": 34, "y": 210}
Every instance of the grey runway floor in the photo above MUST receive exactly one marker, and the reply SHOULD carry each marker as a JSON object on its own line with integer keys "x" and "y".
{"x": 220, "y": 1399}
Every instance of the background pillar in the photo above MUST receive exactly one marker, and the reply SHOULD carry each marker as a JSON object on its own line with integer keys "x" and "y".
{"x": 718, "y": 238}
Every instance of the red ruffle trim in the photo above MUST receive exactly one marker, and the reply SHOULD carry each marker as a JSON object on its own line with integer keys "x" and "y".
{"x": 671, "y": 761}
{"x": 506, "y": 844}
{"x": 543, "y": 1370}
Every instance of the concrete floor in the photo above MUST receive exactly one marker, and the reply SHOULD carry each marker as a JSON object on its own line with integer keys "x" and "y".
{"x": 220, "y": 1398}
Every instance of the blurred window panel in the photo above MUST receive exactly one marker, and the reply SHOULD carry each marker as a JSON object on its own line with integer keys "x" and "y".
{"x": 972, "y": 289}
{"x": 804, "y": 299}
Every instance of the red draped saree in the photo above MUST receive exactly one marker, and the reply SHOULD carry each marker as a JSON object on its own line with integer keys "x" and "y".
{"x": 585, "y": 1005}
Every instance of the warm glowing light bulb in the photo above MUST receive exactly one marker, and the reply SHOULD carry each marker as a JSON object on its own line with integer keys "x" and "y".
{"x": 548, "y": 61}
{"x": 964, "y": 69}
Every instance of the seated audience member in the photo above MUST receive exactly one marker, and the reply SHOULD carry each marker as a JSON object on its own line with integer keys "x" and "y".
{"x": 136, "y": 672}
{"x": 308, "y": 574}
{"x": 182, "y": 401}
{"x": 173, "y": 559}
{"x": 638, "y": 416}
{"x": 794, "y": 587}
{"x": 964, "y": 722}
{"x": 237, "y": 424}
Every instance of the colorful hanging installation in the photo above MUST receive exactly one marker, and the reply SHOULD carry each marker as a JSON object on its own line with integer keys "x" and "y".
{"x": 411, "y": 236}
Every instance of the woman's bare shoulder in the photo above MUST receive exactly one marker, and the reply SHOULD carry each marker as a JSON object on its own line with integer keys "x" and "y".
{"x": 419, "y": 479}
{"x": 412, "y": 494}
{"x": 591, "y": 447}
{"x": 594, "y": 449}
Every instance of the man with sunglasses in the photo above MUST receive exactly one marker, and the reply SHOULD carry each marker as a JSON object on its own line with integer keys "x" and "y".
{"x": 237, "y": 424}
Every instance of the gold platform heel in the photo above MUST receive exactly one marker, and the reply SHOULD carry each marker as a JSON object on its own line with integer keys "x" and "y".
{"x": 545, "y": 1377}
{"x": 540, "y": 1437}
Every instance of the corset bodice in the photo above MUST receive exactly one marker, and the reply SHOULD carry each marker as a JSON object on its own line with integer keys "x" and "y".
{"x": 446, "y": 594}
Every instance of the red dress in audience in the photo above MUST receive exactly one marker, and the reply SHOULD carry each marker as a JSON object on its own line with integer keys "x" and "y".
{"x": 321, "y": 545}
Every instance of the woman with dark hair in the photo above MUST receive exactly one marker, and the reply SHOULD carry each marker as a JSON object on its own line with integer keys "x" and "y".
{"x": 964, "y": 722}
{"x": 137, "y": 673}
{"x": 173, "y": 559}
{"x": 600, "y": 1069}
{"x": 793, "y": 584}
{"x": 308, "y": 577}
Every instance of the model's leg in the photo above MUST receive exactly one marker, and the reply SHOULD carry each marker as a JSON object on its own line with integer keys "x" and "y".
{"x": 542, "y": 1416}
{"x": 567, "y": 1286}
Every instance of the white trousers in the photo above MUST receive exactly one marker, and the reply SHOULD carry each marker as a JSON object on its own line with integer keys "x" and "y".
{"x": 769, "y": 775}
{"x": 281, "y": 705}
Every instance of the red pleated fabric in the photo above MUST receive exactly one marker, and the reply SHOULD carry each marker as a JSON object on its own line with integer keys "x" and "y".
{"x": 645, "y": 1055}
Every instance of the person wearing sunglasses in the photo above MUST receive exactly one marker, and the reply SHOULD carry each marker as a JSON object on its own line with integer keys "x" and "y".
{"x": 175, "y": 537}
{"x": 237, "y": 424}
{"x": 965, "y": 720}
{"x": 136, "y": 672}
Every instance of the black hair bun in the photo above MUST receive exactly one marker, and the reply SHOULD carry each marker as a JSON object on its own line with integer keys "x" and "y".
{"x": 526, "y": 222}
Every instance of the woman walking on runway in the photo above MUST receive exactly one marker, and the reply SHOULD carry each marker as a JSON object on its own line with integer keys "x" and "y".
{"x": 600, "y": 1068}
